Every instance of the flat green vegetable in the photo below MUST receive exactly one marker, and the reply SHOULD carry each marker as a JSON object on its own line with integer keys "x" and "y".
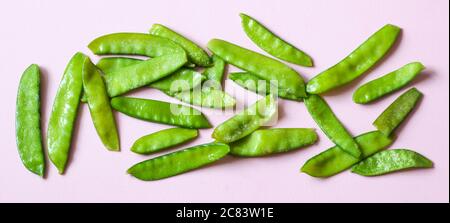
{"x": 160, "y": 112}
{"x": 111, "y": 64}
{"x": 330, "y": 125}
{"x": 216, "y": 71}
{"x": 270, "y": 141}
{"x": 335, "y": 160}
{"x": 28, "y": 121}
{"x": 252, "y": 82}
{"x": 179, "y": 162}
{"x": 388, "y": 83}
{"x": 391, "y": 161}
{"x": 163, "y": 139}
{"x": 273, "y": 44}
{"x": 210, "y": 98}
{"x": 394, "y": 115}
{"x": 357, "y": 63}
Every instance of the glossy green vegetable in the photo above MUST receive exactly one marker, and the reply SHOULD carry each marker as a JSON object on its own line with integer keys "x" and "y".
{"x": 355, "y": 64}
{"x": 216, "y": 71}
{"x": 394, "y": 115}
{"x": 64, "y": 113}
{"x": 163, "y": 139}
{"x": 270, "y": 141}
{"x": 160, "y": 112}
{"x": 179, "y": 162}
{"x": 387, "y": 84}
{"x": 111, "y": 64}
{"x": 246, "y": 122}
{"x": 330, "y": 125}
{"x": 28, "y": 121}
{"x": 99, "y": 107}
{"x": 252, "y": 82}
{"x": 335, "y": 160}
{"x": 391, "y": 161}
{"x": 210, "y": 98}
{"x": 273, "y": 44}
{"x": 290, "y": 83}
{"x": 195, "y": 53}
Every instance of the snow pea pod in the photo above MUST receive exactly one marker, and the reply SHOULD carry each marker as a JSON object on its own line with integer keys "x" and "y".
{"x": 216, "y": 71}
{"x": 357, "y": 63}
{"x": 160, "y": 112}
{"x": 179, "y": 162}
{"x": 387, "y": 84}
{"x": 163, "y": 139}
{"x": 391, "y": 161}
{"x": 64, "y": 113}
{"x": 195, "y": 53}
{"x": 110, "y": 64}
{"x": 99, "y": 107}
{"x": 330, "y": 125}
{"x": 210, "y": 98}
{"x": 251, "y": 82}
{"x": 270, "y": 141}
{"x": 395, "y": 113}
{"x": 290, "y": 83}
{"x": 28, "y": 121}
{"x": 246, "y": 122}
{"x": 335, "y": 160}
{"x": 273, "y": 44}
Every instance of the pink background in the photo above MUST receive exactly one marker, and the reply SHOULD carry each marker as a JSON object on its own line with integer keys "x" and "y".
{"x": 50, "y": 32}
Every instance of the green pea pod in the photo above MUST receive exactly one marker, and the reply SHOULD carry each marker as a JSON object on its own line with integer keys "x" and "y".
{"x": 394, "y": 115}
{"x": 179, "y": 162}
{"x": 273, "y": 44}
{"x": 270, "y": 141}
{"x": 391, "y": 161}
{"x": 216, "y": 71}
{"x": 335, "y": 160}
{"x": 111, "y": 64}
{"x": 246, "y": 122}
{"x": 195, "y": 53}
{"x": 387, "y": 84}
{"x": 99, "y": 107}
{"x": 64, "y": 113}
{"x": 163, "y": 139}
{"x": 251, "y": 82}
{"x": 209, "y": 98}
{"x": 160, "y": 112}
{"x": 28, "y": 121}
{"x": 290, "y": 83}
{"x": 330, "y": 125}
{"x": 357, "y": 63}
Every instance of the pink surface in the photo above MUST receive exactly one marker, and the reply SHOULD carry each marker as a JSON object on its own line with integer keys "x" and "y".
{"x": 50, "y": 32}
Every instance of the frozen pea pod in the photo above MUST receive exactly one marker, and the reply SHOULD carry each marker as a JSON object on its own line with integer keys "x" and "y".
{"x": 395, "y": 113}
{"x": 271, "y": 141}
{"x": 390, "y": 161}
{"x": 290, "y": 83}
{"x": 179, "y": 162}
{"x": 160, "y": 112}
{"x": 195, "y": 53}
{"x": 388, "y": 83}
{"x": 163, "y": 139}
{"x": 273, "y": 44}
{"x": 210, "y": 98}
{"x": 64, "y": 113}
{"x": 357, "y": 63}
{"x": 334, "y": 160}
{"x": 28, "y": 121}
{"x": 216, "y": 71}
{"x": 99, "y": 106}
{"x": 330, "y": 125}
{"x": 246, "y": 122}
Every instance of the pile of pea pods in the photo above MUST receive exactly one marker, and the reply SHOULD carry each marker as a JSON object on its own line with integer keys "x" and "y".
{"x": 175, "y": 59}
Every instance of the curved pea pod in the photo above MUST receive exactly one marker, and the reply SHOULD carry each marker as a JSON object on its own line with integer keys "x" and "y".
{"x": 290, "y": 83}
{"x": 99, "y": 107}
{"x": 273, "y": 44}
{"x": 179, "y": 162}
{"x": 394, "y": 115}
{"x": 64, "y": 113}
{"x": 330, "y": 125}
{"x": 28, "y": 121}
{"x": 251, "y": 82}
{"x": 335, "y": 160}
{"x": 386, "y": 84}
{"x": 210, "y": 98}
{"x": 163, "y": 139}
{"x": 246, "y": 122}
{"x": 195, "y": 53}
{"x": 216, "y": 71}
{"x": 391, "y": 161}
{"x": 160, "y": 112}
{"x": 183, "y": 79}
{"x": 357, "y": 63}
{"x": 271, "y": 141}
{"x": 111, "y": 64}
